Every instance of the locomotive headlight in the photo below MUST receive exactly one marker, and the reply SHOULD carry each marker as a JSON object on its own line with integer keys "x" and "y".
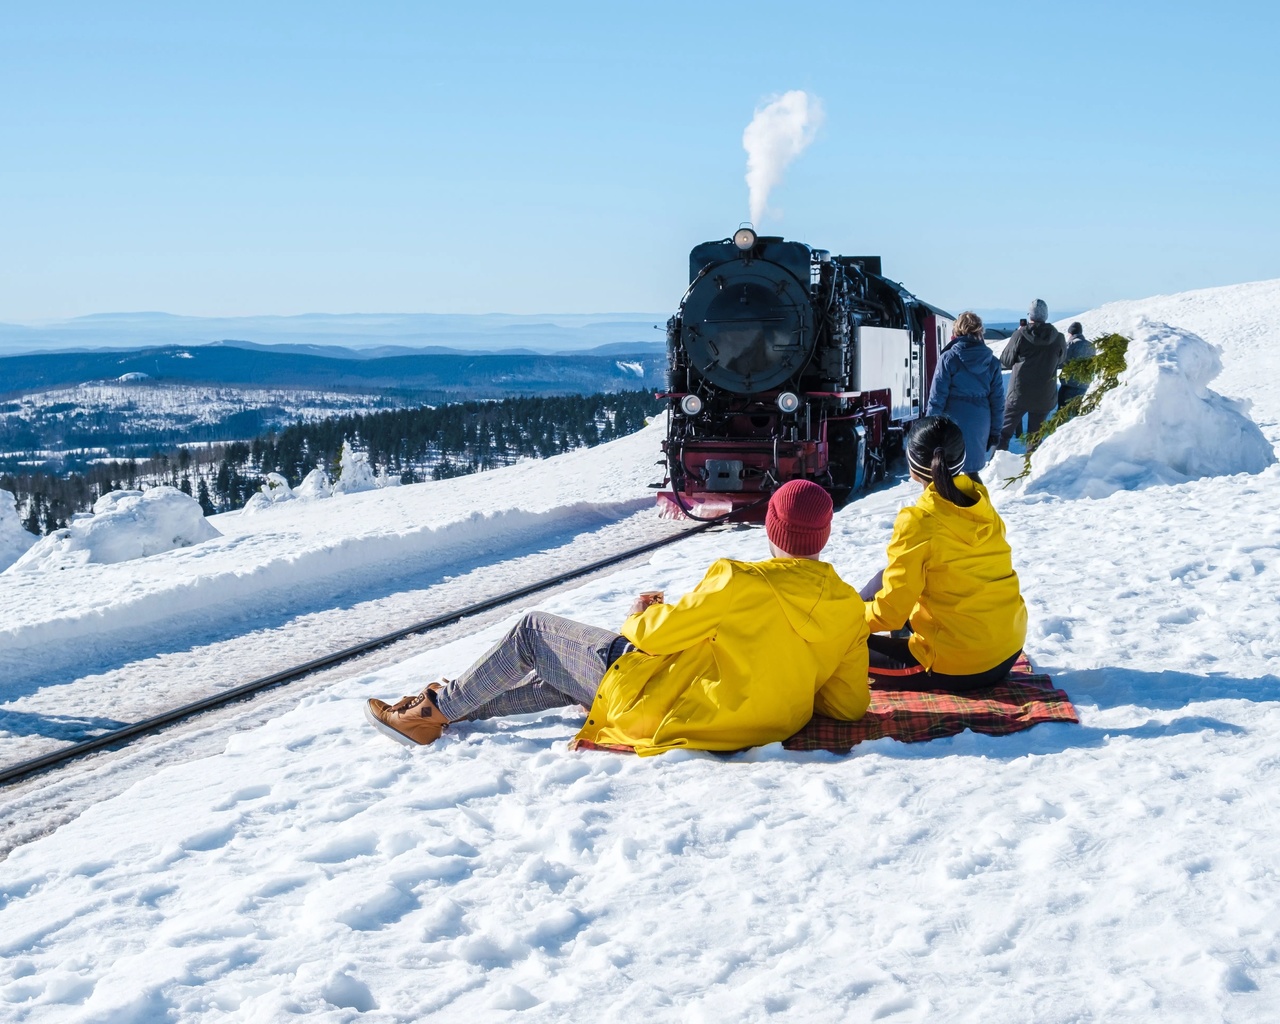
{"x": 744, "y": 238}
{"x": 788, "y": 402}
{"x": 691, "y": 405}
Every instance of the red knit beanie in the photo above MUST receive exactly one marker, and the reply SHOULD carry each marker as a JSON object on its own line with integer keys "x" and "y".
{"x": 799, "y": 518}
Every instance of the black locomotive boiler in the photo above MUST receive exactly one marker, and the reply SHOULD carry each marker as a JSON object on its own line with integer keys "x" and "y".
{"x": 786, "y": 362}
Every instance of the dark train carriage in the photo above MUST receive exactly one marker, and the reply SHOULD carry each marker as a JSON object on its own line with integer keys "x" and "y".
{"x": 783, "y": 362}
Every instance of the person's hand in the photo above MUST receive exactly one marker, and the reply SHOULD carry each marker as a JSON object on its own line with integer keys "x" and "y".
{"x": 644, "y": 600}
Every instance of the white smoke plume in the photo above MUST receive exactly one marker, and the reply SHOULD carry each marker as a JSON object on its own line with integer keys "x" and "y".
{"x": 780, "y": 132}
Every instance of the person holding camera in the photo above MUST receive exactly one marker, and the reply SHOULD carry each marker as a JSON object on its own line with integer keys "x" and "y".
{"x": 1033, "y": 354}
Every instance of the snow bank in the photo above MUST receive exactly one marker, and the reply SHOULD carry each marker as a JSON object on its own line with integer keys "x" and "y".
{"x": 124, "y": 525}
{"x": 1162, "y": 425}
{"x": 14, "y": 538}
{"x": 303, "y": 549}
{"x": 1243, "y": 320}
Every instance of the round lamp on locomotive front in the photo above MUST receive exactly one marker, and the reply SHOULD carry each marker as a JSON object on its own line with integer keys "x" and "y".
{"x": 691, "y": 405}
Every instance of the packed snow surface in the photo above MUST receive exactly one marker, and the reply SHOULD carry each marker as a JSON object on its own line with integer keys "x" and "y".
{"x": 1119, "y": 870}
{"x": 123, "y": 525}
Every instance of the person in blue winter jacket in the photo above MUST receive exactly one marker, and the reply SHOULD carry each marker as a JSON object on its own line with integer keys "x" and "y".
{"x": 968, "y": 387}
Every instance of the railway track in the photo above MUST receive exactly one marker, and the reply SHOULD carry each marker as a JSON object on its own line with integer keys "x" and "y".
{"x": 120, "y": 737}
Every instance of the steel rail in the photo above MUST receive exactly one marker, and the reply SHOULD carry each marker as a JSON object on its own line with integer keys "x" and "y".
{"x": 288, "y": 675}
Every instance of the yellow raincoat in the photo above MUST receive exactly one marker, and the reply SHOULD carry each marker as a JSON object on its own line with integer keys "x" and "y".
{"x": 951, "y": 574}
{"x": 743, "y": 659}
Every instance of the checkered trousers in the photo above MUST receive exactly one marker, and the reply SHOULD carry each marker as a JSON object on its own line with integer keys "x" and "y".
{"x": 543, "y": 662}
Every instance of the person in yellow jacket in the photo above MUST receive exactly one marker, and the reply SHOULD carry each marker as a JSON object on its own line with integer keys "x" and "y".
{"x": 950, "y": 578}
{"x": 743, "y": 659}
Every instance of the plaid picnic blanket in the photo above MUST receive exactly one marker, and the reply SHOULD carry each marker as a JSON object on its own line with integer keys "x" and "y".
{"x": 1025, "y": 698}
{"x": 1022, "y": 700}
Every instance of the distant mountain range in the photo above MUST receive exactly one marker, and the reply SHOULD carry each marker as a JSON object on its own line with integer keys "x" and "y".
{"x": 429, "y": 376}
{"x": 365, "y": 333}
{"x": 369, "y": 335}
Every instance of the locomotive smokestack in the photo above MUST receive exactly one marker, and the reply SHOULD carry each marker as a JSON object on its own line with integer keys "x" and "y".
{"x": 780, "y": 132}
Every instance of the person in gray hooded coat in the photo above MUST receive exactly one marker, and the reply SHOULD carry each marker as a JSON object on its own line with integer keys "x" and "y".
{"x": 1078, "y": 347}
{"x": 1034, "y": 354}
{"x": 968, "y": 387}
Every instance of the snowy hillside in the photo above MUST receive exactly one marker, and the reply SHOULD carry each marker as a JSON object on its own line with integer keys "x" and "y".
{"x": 1122, "y": 869}
{"x": 149, "y": 408}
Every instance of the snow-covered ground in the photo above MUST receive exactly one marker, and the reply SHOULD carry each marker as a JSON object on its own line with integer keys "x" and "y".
{"x": 1122, "y": 869}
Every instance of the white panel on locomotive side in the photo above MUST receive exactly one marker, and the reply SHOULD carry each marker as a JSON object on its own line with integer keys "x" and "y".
{"x": 884, "y": 362}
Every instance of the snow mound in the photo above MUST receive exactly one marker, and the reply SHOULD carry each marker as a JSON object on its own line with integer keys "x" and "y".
{"x": 274, "y": 490}
{"x": 124, "y": 525}
{"x": 14, "y": 538}
{"x": 1162, "y": 425}
{"x": 314, "y": 485}
{"x": 1240, "y": 319}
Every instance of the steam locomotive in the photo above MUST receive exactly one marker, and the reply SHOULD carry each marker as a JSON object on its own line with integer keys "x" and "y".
{"x": 786, "y": 362}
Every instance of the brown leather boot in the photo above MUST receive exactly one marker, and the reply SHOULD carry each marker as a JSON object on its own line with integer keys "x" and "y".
{"x": 410, "y": 720}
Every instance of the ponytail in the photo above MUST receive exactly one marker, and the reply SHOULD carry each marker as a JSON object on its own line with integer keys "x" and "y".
{"x": 945, "y": 483}
{"x": 935, "y": 450}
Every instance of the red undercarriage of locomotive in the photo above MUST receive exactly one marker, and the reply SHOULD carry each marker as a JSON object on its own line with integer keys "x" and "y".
{"x": 755, "y": 448}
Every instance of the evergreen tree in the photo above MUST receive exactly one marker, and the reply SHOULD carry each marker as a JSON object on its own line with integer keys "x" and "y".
{"x": 202, "y": 496}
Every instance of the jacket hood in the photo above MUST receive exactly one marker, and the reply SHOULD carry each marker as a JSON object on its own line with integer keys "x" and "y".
{"x": 816, "y": 602}
{"x": 974, "y": 524}
{"x": 1039, "y": 334}
{"x": 973, "y": 352}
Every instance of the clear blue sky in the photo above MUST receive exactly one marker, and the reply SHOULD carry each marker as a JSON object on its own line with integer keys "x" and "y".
{"x": 422, "y": 157}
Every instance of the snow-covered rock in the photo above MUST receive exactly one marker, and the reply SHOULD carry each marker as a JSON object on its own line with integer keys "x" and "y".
{"x": 355, "y": 473}
{"x": 14, "y": 537}
{"x": 124, "y": 525}
{"x": 1161, "y": 425}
